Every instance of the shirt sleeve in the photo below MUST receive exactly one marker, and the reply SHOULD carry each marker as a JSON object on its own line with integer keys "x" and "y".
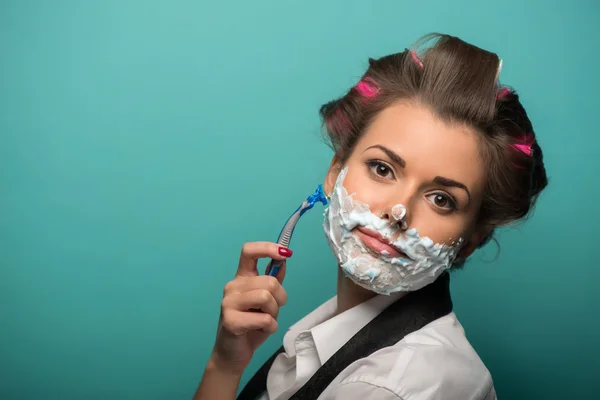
{"x": 407, "y": 374}
{"x": 491, "y": 395}
{"x": 361, "y": 390}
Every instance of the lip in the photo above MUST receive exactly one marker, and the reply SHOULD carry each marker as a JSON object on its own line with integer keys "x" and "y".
{"x": 378, "y": 243}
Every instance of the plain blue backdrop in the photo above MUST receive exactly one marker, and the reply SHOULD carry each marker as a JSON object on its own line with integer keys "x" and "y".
{"x": 142, "y": 142}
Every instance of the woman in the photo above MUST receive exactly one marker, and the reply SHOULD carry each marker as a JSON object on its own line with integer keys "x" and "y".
{"x": 431, "y": 156}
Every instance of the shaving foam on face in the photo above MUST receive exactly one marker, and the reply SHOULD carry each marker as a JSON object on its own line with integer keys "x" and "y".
{"x": 379, "y": 272}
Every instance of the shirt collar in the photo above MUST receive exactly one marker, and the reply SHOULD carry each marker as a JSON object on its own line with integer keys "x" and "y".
{"x": 332, "y": 334}
{"x": 316, "y": 317}
{"x": 329, "y": 331}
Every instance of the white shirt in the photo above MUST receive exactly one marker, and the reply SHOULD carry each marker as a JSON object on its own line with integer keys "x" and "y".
{"x": 434, "y": 362}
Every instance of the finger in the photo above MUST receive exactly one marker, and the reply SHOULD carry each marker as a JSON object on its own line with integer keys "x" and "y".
{"x": 239, "y": 322}
{"x": 259, "y": 299}
{"x": 252, "y": 251}
{"x": 266, "y": 282}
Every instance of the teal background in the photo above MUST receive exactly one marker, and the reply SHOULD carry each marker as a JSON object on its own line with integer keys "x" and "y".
{"x": 142, "y": 142}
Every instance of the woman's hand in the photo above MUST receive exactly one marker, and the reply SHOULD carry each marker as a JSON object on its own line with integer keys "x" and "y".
{"x": 249, "y": 313}
{"x": 250, "y": 308}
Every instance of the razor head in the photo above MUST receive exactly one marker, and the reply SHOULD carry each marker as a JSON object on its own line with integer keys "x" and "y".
{"x": 317, "y": 196}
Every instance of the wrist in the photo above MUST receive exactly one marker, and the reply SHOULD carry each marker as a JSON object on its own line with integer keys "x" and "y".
{"x": 219, "y": 381}
{"x": 218, "y": 366}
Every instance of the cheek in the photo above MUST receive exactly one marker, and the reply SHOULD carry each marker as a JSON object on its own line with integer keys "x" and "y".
{"x": 444, "y": 229}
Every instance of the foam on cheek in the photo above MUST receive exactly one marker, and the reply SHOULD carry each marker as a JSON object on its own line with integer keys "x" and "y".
{"x": 381, "y": 273}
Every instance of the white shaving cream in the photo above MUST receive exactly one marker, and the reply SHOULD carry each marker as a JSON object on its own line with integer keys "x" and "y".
{"x": 379, "y": 272}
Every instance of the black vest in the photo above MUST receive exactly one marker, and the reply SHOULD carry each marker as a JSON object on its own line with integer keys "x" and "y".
{"x": 410, "y": 313}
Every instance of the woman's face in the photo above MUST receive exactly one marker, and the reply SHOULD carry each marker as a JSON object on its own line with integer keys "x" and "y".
{"x": 409, "y": 156}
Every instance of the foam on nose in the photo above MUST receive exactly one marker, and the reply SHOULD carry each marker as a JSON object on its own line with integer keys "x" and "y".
{"x": 398, "y": 212}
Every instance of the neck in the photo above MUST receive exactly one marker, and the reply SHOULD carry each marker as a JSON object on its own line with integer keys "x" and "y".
{"x": 349, "y": 294}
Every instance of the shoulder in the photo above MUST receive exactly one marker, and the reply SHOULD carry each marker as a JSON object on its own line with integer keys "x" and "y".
{"x": 434, "y": 362}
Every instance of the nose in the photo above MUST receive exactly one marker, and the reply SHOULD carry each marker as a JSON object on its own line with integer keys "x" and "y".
{"x": 396, "y": 214}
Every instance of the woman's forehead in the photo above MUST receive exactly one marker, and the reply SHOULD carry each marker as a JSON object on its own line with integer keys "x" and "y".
{"x": 427, "y": 144}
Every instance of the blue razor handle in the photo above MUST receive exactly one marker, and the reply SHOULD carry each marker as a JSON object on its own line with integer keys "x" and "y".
{"x": 285, "y": 236}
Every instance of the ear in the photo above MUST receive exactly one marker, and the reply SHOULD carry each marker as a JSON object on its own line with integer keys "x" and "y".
{"x": 478, "y": 238}
{"x": 334, "y": 170}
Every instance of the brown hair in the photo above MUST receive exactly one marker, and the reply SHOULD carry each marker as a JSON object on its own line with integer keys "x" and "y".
{"x": 459, "y": 83}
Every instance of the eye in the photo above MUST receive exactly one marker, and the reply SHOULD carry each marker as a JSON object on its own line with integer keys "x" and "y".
{"x": 442, "y": 201}
{"x": 380, "y": 169}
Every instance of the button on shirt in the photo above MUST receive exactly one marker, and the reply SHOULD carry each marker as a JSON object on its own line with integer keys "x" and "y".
{"x": 434, "y": 362}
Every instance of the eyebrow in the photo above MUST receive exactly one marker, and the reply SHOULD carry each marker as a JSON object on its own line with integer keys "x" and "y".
{"x": 440, "y": 180}
{"x": 451, "y": 183}
{"x": 393, "y": 156}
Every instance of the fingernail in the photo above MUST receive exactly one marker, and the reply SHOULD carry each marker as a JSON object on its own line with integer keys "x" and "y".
{"x": 284, "y": 251}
